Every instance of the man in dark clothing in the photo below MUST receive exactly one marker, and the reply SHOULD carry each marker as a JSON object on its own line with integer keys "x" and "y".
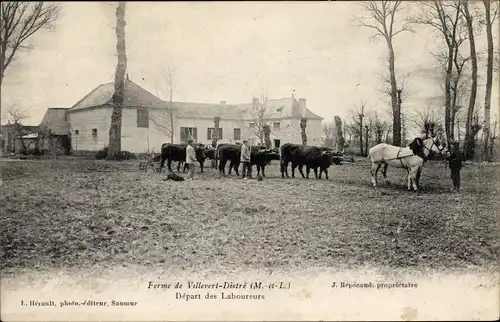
{"x": 455, "y": 164}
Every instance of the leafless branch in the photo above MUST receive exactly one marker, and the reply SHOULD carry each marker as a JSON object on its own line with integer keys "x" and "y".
{"x": 258, "y": 113}
{"x": 16, "y": 115}
{"x": 164, "y": 119}
{"x": 19, "y": 21}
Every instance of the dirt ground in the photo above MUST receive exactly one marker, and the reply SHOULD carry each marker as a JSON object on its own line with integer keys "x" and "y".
{"x": 81, "y": 213}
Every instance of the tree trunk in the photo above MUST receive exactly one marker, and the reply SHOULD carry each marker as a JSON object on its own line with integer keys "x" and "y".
{"x": 340, "y": 141}
{"x": 115, "y": 129}
{"x": 492, "y": 140}
{"x": 489, "y": 82}
{"x": 367, "y": 130}
{"x": 303, "y": 124}
{"x": 361, "y": 146}
{"x": 171, "y": 116}
{"x": 1, "y": 80}
{"x": 171, "y": 126}
{"x": 215, "y": 137}
{"x": 447, "y": 98}
{"x": 267, "y": 136}
{"x": 403, "y": 131}
{"x": 395, "y": 103}
{"x": 469, "y": 146}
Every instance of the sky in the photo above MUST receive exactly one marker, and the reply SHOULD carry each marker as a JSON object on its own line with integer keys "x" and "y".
{"x": 227, "y": 51}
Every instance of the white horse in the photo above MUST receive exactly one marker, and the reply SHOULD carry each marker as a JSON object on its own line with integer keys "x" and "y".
{"x": 411, "y": 158}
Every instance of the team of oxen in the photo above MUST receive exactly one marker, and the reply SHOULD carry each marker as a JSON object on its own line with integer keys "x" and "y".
{"x": 297, "y": 155}
{"x": 411, "y": 158}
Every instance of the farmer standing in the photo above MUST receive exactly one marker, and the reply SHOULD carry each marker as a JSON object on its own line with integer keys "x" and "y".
{"x": 190, "y": 159}
{"x": 245, "y": 160}
{"x": 455, "y": 165}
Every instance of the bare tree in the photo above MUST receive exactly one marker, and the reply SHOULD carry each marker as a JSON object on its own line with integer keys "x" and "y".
{"x": 496, "y": 62}
{"x": 368, "y": 134}
{"x": 329, "y": 133}
{"x": 488, "y": 21}
{"x": 427, "y": 121}
{"x": 115, "y": 130}
{"x": 357, "y": 115}
{"x": 382, "y": 18}
{"x": 18, "y": 22}
{"x": 164, "y": 119}
{"x": 493, "y": 138}
{"x": 258, "y": 114}
{"x": 379, "y": 128}
{"x": 404, "y": 129}
{"x": 18, "y": 116}
{"x": 350, "y": 133}
{"x": 476, "y": 125}
{"x": 267, "y": 136}
{"x": 469, "y": 131}
{"x": 388, "y": 133}
{"x": 446, "y": 18}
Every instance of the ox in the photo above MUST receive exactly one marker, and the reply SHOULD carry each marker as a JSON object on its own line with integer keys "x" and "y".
{"x": 410, "y": 158}
{"x": 259, "y": 156}
{"x": 177, "y": 152}
{"x": 311, "y": 156}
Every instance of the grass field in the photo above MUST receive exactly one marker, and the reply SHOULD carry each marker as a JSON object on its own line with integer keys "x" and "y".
{"x": 79, "y": 213}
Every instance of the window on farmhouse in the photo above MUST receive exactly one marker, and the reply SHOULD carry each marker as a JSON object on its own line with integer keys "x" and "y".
{"x": 276, "y": 125}
{"x": 189, "y": 133}
{"x": 77, "y": 132}
{"x": 211, "y": 131}
{"x": 237, "y": 134}
{"x": 94, "y": 132}
{"x": 143, "y": 117}
{"x": 252, "y": 125}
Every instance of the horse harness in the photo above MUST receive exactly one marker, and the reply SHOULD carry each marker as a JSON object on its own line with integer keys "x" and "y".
{"x": 434, "y": 143}
{"x": 399, "y": 158}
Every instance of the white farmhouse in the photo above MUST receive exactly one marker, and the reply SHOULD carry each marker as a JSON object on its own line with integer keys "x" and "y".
{"x": 147, "y": 122}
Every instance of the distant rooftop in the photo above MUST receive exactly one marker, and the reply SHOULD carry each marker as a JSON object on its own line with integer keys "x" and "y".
{"x": 136, "y": 96}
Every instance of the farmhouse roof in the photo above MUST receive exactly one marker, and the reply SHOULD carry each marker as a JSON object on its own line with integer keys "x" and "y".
{"x": 206, "y": 110}
{"x": 279, "y": 108}
{"x": 134, "y": 96}
{"x": 56, "y": 120}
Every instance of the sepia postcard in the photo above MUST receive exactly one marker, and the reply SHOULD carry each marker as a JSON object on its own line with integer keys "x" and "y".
{"x": 245, "y": 161}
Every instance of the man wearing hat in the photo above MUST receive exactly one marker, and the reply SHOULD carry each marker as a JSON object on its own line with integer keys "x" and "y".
{"x": 455, "y": 164}
{"x": 246, "y": 171}
{"x": 190, "y": 159}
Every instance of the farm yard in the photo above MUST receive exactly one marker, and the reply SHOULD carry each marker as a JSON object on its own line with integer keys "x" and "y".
{"x": 80, "y": 213}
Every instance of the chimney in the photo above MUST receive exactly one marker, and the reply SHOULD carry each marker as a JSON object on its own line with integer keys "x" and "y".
{"x": 223, "y": 102}
{"x": 302, "y": 107}
{"x": 127, "y": 77}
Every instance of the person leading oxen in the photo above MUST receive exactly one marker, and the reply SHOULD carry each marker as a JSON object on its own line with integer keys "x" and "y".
{"x": 259, "y": 156}
{"x": 177, "y": 152}
{"x": 246, "y": 171}
{"x": 190, "y": 159}
{"x": 202, "y": 153}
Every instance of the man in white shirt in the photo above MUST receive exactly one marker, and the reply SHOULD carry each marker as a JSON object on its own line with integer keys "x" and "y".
{"x": 190, "y": 159}
{"x": 246, "y": 171}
